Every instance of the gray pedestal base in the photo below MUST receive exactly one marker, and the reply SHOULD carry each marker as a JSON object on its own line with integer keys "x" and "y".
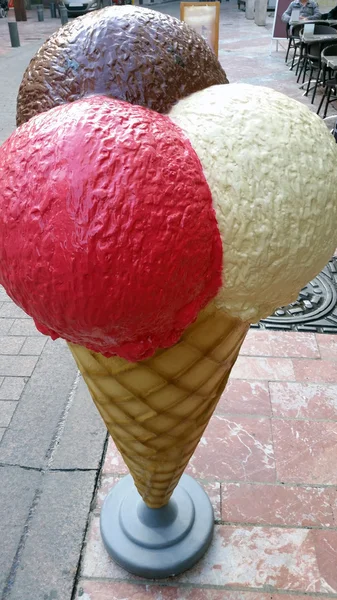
{"x": 157, "y": 542}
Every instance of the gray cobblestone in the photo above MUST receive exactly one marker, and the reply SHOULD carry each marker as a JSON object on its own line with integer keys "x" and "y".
{"x": 33, "y": 346}
{"x": 19, "y": 366}
{"x": 2, "y": 431}
{"x": 10, "y": 310}
{"x": 41, "y": 407}
{"x": 5, "y": 325}
{"x": 24, "y": 327}
{"x": 17, "y": 490}
{"x": 6, "y": 412}
{"x": 3, "y": 296}
{"x": 12, "y": 388}
{"x": 50, "y": 557}
{"x": 11, "y": 344}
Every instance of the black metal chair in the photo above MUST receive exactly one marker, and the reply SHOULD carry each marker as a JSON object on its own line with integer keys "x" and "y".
{"x": 303, "y": 66}
{"x": 294, "y": 42}
{"x": 330, "y": 84}
{"x": 314, "y": 63}
{"x": 328, "y": 50}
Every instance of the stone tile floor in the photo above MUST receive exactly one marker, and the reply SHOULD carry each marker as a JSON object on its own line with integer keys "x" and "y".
{"x": 268, "y": 459}
{"x": 268, "y": 462}
{"x": 20, "y": 348}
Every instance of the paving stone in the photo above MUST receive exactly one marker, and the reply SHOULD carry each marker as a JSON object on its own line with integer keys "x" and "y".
{"x": 94, "y": 590}
{"x": 2, "y": 431}
{"x": 10, "y": 344}
{"x": 276, "y": 505}
{"x": 286, "y": 559}
{"x": 280, "y": 343}
{"x": 245, "y": 397}
{"x": 326, "y": 552}
{"x": 33, "y": 345}
{"x": 258, "y": 557}
{"x": 11, "y": 310}
{"x": 24, "y": 327}
{"x": 320, "y": 371}
{"x": 41, "y": 407}
{"x": 305, "y": 451}
{"x": 327, "y": 346}
{"x": 114, "y": 464}
{"x": 17, "y": 491}
{"x": 235, "y": 448}
{"x": 21, "y": 366}
{"x": 7, "y": 409}
{"x": 303, "y": 400}
{"x": 4, "y": 296}
{"x": 52, "y": 550}
{"x": 83, "y": 435}
{"x": 5, "y": 325}
{"x": 12, "y": 388}
{"x": 269, "y": 369}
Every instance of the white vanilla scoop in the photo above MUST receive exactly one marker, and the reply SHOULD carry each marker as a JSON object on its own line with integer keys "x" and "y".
{"x": 271, "y": 165}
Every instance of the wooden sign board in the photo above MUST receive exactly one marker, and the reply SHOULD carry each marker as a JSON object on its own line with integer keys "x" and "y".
{"x": 280, "y": 28}
{"x": 204, "y": 17}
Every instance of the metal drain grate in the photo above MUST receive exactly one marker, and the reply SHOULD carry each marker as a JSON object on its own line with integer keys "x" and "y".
{"x": 315, "y": 308}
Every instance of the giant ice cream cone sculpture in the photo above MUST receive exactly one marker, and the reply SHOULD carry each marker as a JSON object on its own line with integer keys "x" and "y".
{"x": 149, "y": 242}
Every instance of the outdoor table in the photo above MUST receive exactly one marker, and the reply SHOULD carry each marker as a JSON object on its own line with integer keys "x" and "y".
{"x": 308, "y": 38}
{"x": 330, "y": 22}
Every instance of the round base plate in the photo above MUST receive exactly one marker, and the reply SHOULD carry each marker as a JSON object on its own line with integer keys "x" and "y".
{"x": 157, "y": 542}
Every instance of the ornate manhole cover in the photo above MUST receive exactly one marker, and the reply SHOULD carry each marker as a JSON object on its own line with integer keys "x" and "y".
{"x": 315, "y": 308}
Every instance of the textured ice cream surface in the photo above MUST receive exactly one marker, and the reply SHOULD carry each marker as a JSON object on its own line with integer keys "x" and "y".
{"x": 271, "y": 165}
{"x": 108, "y": 236}
{"x": 127, "y": 52}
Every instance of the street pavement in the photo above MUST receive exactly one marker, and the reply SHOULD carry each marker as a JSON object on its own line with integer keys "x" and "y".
{"x": 266, "y": 486}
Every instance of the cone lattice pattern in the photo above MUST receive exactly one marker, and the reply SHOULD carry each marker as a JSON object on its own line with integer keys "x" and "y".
{"x": 156, "y": 410}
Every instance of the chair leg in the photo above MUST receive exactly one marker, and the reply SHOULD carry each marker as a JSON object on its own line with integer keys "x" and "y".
{"x": 299, "y": 70}
{"x": 289, "y": 46}
{"x": 327, "y": 102}
{"x": 293, "y": 60}
{"x": 309, "y": 81}
{"x": 322, "y": 100}
{"x": 316, "y": 85}
{"x": 304, "y": 69}
{"x": 299, "y": 64}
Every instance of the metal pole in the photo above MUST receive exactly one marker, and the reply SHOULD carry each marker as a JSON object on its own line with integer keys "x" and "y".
{"x": 64, "y": 15}
{"x": 40, "y": 12}
{"x": 14, "y": 34}
{"x": 53, "y": 10}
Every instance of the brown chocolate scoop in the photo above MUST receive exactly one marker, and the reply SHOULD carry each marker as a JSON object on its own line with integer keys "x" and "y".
{"x": 130, "y": 53}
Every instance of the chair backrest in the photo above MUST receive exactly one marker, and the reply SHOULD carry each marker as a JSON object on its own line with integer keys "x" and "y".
{"x": 314, "y": 50}
{"x": 323, "y": 29}
{"x": 330, "y": 50}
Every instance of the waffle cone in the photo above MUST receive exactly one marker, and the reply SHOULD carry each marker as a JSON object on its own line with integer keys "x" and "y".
{"x": 156, "y": 410}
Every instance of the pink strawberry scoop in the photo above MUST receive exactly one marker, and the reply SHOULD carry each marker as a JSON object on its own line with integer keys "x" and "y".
{"x": 108, "y": 237}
